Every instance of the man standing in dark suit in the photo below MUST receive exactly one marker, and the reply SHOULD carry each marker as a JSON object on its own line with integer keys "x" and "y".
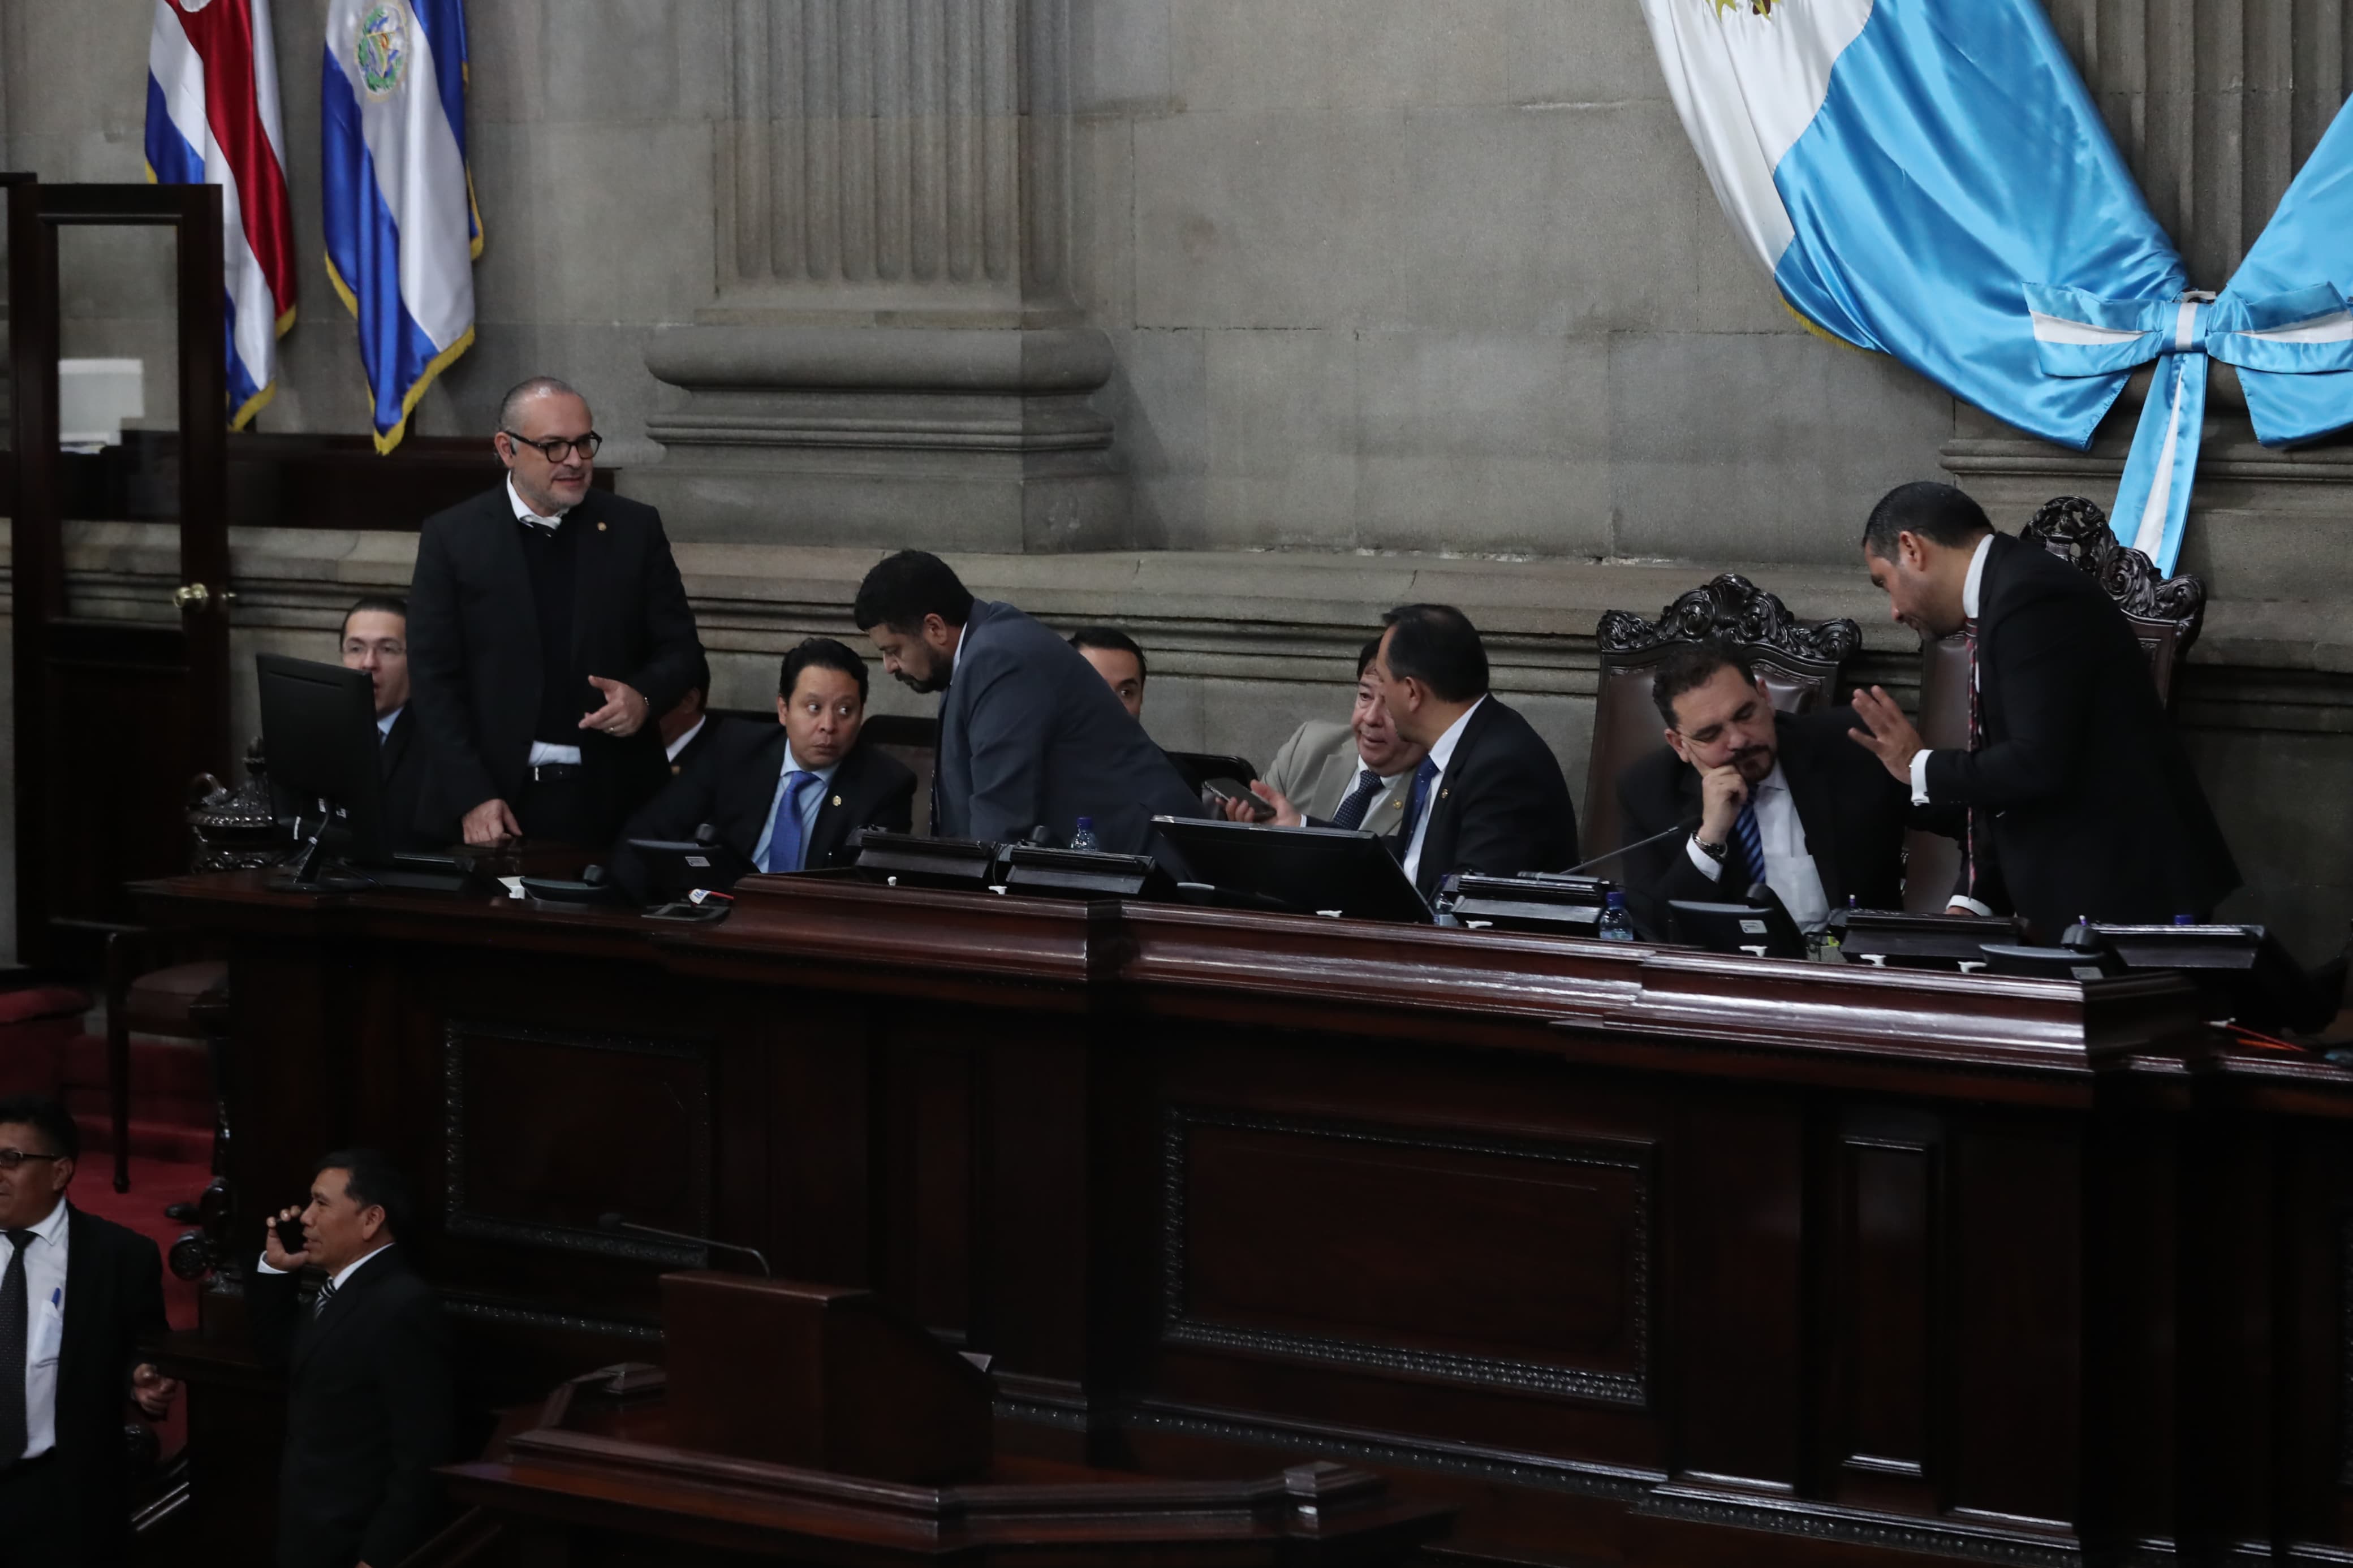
{"x": 2081, "y": 800}
{"x": 547, "y": 627}
{"x": 376, "y": 639}
{"x": 77, "y": 1296}
{"x": 1489, "y": 796}
{"x": 1029, "y": 735}
{"x": 367, "y": 1372}
{"x": 1778, "y": 798}
{"x": 786, "y": 798}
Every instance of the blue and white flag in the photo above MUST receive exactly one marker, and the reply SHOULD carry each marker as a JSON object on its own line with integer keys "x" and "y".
{"x": 1929, "y": 179}
{"x": 402, "y": 229}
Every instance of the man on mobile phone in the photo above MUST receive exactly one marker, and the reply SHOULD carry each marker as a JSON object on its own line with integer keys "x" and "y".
{"x": 368, "y": 1403}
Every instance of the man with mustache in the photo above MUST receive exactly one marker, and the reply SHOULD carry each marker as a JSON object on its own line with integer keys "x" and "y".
{"x": 2081, "y": 800}
{"x": 1778, "y": 798}
{"x": 1354, "y": 775}
{"x": 1031, "y": 736}
{"x": 547, "y": 627}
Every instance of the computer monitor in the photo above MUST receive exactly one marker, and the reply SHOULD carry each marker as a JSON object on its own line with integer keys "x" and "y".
{"x": 1761, "y": 926}
{"x": 1304, "y": 871}
{"x": 318, "y": 729}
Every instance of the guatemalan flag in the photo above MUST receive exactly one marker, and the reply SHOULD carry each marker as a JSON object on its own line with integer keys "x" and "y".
{"x": 402, "y": 229}
{"x": 212, "y": 119}
{"x": 1929, "y": 179}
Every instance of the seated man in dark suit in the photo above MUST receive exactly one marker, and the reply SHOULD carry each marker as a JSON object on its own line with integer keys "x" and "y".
{"x": 1030, "y": 737}
{"x": 376, "y": 638}
{"x": 1783, "y": 799}
{"x": 1489, "y": 796}
{"x": 689, "y": 728}
{"x": 368, "y": 1392}
{"x": 786, "y": 798}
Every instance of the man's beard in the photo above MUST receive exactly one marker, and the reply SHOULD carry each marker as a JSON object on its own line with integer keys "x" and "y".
{"x": 923, "y": 686}
{"x": 1748, "y": 763}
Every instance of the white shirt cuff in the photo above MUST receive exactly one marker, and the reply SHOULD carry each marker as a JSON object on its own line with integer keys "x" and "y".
{"x": 1920, "y": 776}
{"x": 1709, "y": 866}
{"x": 1972, "y": 905}
{"x": 261, "y": 1265}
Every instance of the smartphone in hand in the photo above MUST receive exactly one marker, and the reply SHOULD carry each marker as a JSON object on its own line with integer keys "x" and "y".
{"x": 1226, "y": 790}
{"x": 290, "y": 1234}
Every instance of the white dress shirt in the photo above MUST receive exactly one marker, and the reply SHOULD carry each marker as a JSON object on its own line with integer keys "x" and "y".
{"x": 45, "y": 1327}
{"x": 812, "y": 802}
{"x": 340, "y": 1275}
{"x": 544, "y": 753}
{"x": 1442, "y": 753}
{"x": 1789, "y": 870}
{"x": 383, "y": 724}
{"x": 686, "y": 739}
{"x": 1971, "y": 593}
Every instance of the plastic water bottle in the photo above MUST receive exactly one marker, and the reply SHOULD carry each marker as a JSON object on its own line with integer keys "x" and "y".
{"x": 1617, "y": 925}
{"x": 1085, "y": 838}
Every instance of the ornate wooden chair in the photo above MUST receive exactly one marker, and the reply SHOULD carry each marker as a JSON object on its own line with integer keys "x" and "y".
{"x": 1798, "y": 660}
{"x": 2165, "y": 614}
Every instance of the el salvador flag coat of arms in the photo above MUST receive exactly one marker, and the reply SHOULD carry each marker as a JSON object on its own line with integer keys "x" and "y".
{"x": 402, "y": 227}
{"x": 1928, "y": 178}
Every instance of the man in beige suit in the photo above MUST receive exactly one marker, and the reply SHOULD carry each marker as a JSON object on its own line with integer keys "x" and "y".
{"x": 1355, "y": 775}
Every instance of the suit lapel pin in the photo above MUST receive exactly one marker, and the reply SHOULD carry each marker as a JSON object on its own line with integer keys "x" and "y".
{"x": 837, "y": 800}
{"x": 600, "y": 527}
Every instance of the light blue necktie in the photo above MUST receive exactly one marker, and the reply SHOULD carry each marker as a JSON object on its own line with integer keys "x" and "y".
{"x": 784, "y": 832}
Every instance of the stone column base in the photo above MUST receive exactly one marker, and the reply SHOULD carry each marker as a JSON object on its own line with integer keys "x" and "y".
{"x": 946, "y": 438}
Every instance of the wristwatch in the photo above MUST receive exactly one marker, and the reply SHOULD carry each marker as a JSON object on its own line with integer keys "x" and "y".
{"x": 1716, "y": 852}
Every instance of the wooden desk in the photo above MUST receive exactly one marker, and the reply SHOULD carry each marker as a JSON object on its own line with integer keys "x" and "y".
{"x": 1634, "y": 1254}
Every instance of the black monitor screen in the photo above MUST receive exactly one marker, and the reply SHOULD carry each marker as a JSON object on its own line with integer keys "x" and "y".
{"x": 1308, "y": 870}
{"x": 318, "y": 729}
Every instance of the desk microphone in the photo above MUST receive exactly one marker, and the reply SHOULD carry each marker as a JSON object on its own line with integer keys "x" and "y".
{"x": 615, "y": 1222}
{"x": 1690, "y": 825}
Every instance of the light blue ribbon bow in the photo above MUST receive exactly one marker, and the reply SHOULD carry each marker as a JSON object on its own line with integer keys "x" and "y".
{"x": 2299, "y": 331}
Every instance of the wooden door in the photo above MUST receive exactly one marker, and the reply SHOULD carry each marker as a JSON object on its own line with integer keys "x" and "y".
{"x": 116, "y": 712}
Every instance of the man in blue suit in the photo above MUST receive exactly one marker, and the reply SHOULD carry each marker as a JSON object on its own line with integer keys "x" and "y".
{"x": 1030, "y": 735}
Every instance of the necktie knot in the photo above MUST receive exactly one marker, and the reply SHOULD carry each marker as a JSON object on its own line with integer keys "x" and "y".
{"x": 326, "y": 1294}
{"x": 21, "y": 1239}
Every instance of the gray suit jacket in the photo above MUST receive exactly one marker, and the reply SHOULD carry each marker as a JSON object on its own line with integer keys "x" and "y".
{"x": 1031, "y": 736}
{"x": 1317, "y": 769}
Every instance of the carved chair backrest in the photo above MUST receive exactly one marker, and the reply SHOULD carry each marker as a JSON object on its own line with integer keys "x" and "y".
{"x": 1797, "y": 661}
{"x": 2165, "y": 613}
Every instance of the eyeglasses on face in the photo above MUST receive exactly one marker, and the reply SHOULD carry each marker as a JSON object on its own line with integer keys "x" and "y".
{"x": 10, "y": 1159}
{"x": 555, "y": 447}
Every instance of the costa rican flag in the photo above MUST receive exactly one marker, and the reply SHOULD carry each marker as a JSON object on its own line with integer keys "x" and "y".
{"x": 402, "y": 229}
{"x": 212, "y": 119}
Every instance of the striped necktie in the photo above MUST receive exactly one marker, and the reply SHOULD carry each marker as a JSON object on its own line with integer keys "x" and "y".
{"x": 326, "y": 1294}
{"x": 1752, "y": 839}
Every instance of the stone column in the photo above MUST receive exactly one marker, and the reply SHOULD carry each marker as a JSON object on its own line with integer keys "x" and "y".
{"x": 893, "y": 356}
{"x": 2215, "y": 105}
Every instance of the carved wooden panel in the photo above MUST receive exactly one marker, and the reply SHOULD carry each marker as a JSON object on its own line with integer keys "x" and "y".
{"x": 545, "y": 1130}
{"x": 1521, "y": 1265}
{"x": 1885, "y": 1302}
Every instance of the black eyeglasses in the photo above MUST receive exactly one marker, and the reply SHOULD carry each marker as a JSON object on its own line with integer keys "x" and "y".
{"x": 555, "y": 447}
{"x": 12, "y": 1158}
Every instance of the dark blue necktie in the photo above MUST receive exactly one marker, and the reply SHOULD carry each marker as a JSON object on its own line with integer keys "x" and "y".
{"x": 1423, "y": 777}
{"x": 1351, "y": 815}
{"x": 784, "y": 832}
{"x": 1752, "y": 840}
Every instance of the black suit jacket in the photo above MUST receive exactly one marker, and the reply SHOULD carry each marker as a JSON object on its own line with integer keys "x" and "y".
{"x": 694, "y": 751}
{"x": 368, "y": 1414}
{"x": 1503, "y": 806}
{"x": 114, "y": 1299}
{"x": 733, "y": 787}
{"x": 402, "y": 765}
{"x": 1852, "y": 809}
{"x": 2083, "y": 799}
{"x": 474, "y": 652}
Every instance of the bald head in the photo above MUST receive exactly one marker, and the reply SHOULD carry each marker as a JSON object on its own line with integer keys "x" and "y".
{"x": 547, "y": 442}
